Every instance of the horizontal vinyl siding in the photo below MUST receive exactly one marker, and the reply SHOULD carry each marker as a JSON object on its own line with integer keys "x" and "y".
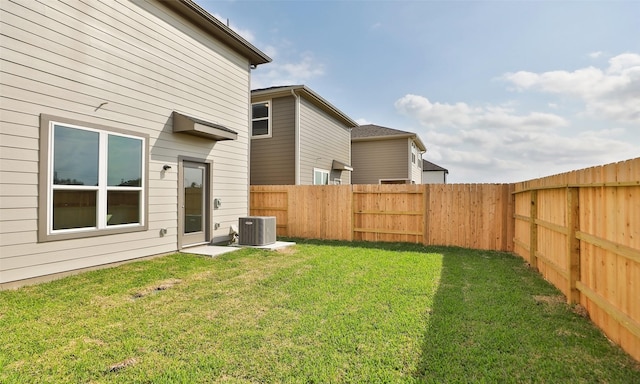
{"x": 68, "y": 59}
{"x": 273, "y": 159}
{"x": 416, "y": 171}
{"x": 379, "y": 159}
{"x": 433, "y": 177}
{"x": 322, "y": 140}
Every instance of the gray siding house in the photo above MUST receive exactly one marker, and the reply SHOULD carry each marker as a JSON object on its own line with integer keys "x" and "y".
{"x": 381, "y": 155}
{"x": 121, "y": 123}
{"x": 433, "y": 173}
{"x": 298, "y": 138}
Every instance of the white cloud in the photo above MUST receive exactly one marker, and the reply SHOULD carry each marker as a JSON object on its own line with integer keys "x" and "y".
{"x": 496, "y": 144}
{"x": 439, "y": 115}
{"x": 612, "y": 93}
{"x": 245, "y": 33}
{"x": 288, "y": 73}
{"x": 363, "y": 121}
{"x": 595, "y": 55}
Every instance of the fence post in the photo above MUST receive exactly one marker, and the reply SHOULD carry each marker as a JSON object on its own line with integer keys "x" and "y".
{"x": 573, "y": 244}
{"x": 533, "y": 230}
{"x": 427, "y": 214}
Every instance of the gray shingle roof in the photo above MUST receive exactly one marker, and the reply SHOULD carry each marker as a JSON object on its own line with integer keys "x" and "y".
{"x": 371, "y": 130}
{"x": 429, "y": 166}
{"x": 376, "y": 132}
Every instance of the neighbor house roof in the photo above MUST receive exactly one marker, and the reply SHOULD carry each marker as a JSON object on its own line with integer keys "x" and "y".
{"x": 203, "y": 19}
{"x": 429, "y": 166}
{"x": 307, "y": 93}
{"x": 376, "y": 132}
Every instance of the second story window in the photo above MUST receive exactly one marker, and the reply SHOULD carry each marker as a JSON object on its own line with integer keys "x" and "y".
{"x": 413, "y": 153}
{"x": 260, "y": 120}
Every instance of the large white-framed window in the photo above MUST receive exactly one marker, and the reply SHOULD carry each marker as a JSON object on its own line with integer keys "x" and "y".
{"x": 320, "y": 176}
{"x": 261, "y": 119}
{"x": 93, "y": 180}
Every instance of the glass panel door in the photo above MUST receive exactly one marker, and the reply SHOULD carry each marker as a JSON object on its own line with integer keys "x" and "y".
{"x": 194, "y": 203}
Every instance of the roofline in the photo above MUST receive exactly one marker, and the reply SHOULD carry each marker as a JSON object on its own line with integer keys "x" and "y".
{"x": 203, "y": 19}
{"x": 311, "y": 95}
{"x": 405, "y": 135}
{"x": 440, "y": 169}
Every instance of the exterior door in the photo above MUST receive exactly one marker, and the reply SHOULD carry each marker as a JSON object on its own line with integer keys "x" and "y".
{"x": 194, "y": 198}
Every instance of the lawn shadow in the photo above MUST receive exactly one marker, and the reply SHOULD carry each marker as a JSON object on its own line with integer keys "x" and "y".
{"x": 493, "y": 319}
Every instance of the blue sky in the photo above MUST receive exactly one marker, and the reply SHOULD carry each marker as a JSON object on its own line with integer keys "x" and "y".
{"x": 498, "y": 91}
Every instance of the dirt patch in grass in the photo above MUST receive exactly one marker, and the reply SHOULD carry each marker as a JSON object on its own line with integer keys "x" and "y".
{"x": 287, "y": 250}
{"x": 551, "y": 300}
{"x": 580, "y": 310}
{"x": 122, "y": 365}
{"x": 566, "y": 332}
{"x": 156, "y": 287}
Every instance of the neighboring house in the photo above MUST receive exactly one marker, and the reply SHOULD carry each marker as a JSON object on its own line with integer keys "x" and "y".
{"x": 433, "y": 174}
{"x": 381, "y": 155}
{"x": 298, "y": 138}
{"x": 121, "y": 123}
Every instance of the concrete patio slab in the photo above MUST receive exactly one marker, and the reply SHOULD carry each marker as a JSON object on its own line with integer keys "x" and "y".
{"x": 215, "y": 250}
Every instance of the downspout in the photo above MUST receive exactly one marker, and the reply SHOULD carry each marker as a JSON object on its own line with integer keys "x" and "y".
{"x": 296, "y": 130}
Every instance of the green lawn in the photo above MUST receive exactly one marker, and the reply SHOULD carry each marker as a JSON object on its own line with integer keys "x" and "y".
{"x": 319, "y": 312}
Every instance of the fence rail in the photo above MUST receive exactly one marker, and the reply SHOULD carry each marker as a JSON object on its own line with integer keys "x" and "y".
{"x": 581, "y": 230}
{"x": 465, "y": 215}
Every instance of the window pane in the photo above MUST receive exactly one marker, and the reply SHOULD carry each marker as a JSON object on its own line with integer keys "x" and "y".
{"x": 260, "y": 110}
{"x": 260, "y": 127}
{"x": 320, "y": 178}
{"x": 123, "y": 207}
{"x": 193, "y": 199}
{"x": 124, "y": 162}
{"x": 75, "y": 156}
{"x": 74, "y": 209}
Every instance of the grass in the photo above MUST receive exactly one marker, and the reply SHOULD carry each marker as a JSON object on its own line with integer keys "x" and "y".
{"x": 319, "y": 312}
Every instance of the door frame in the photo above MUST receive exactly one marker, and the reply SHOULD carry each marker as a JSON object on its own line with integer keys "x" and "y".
{"x": 208, "y": 189}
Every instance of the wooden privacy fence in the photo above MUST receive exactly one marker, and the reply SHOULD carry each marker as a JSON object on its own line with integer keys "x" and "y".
{"x": 581, "y": 230}
{"x": 466, "y": 215}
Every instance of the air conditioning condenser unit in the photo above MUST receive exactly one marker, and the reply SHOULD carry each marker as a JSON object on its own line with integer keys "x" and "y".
{"x": 257, "y": 230}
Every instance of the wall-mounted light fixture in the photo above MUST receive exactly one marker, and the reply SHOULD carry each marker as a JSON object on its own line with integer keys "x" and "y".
{"x": 166, "y": 167}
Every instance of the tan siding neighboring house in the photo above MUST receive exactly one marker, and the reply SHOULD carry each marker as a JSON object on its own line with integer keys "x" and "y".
{"x": 118, "y": 71}
{"x": 306, "y": 135}
{"x": 385, "y": 155}
{"x": 380, "y": 159}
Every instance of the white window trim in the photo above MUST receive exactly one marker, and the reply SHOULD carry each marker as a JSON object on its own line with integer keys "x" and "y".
{"x": 406, "y": 180}
{"x": 268, "y": 118}
{"x": 323, "y": 171}
{"x": 414, "y": 151}
{"x": 45, "y": 210}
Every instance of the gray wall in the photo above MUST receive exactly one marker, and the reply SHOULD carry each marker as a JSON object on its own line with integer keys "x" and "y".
{"x": 380, "y": 159}
{"x": 273, "y": 159}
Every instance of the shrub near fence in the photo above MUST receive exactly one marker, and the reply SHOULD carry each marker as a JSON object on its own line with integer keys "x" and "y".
{"x": 581, "y": 230}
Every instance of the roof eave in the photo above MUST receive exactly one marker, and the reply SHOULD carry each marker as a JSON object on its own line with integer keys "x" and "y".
{"x": 311, "y": 95}
{"x": 385, "y": 137}
{"x": 203, "y": 19}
